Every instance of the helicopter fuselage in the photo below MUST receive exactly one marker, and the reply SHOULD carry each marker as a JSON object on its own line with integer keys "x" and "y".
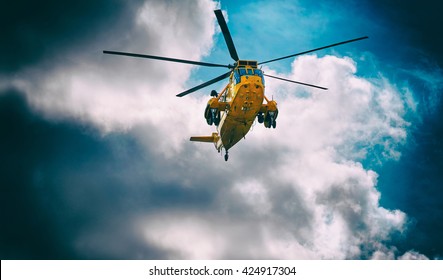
{"x": 235, "y": 108}
{"x": 245, "y": 95}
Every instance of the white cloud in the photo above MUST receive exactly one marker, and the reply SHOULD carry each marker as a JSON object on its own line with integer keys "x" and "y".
{"x": 412, "y": 255}
{"x": 118, "y": 93}
{"x": 185, "y": 236}
{"x": 353, "y": 109}
{"x": 298, "y": 191}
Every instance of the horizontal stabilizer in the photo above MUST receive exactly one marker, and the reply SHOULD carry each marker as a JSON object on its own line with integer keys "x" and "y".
{"x": 208, "y": 139}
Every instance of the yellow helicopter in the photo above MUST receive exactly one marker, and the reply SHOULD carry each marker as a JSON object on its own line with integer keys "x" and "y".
{"x": 235, "y": 108}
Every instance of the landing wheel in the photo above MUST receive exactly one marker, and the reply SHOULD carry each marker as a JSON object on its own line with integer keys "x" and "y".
{"x": 268, "y": 120}
{"x": 214, "y": 93}
{"x": 274, "y": 124}
{"x": 226, "y": 156}
{"x": 260, "y": 118}
{"x": 217, "y": 119}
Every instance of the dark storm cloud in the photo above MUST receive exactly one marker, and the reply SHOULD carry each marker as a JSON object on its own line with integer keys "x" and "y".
{"x": 414, "y": 184}
{"x": 37, "y": 157}
{"x": 27, "y": 230}
{"x": 34, "y": 154}
{"x": 65, "y": 189}
{"x": 418, "y": 22}
{"x": 418, "y": 191}
{"x": 71, "y": 193}
{"x": 33, "y": 30}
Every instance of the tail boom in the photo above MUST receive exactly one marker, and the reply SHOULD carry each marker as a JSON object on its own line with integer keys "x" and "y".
{"x": 214, "y": 138}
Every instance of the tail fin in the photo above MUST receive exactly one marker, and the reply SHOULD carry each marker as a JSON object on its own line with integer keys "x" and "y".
{"x": 208, "y": 139}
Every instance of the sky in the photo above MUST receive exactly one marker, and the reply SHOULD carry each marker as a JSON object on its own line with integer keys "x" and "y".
{"x": 96, "y": 161}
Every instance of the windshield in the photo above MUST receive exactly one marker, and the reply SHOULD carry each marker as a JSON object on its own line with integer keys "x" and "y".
{"x": 247, "y": 72}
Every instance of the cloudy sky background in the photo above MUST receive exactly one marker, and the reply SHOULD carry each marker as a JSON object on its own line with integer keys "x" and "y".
{"x": 96, "y": 161}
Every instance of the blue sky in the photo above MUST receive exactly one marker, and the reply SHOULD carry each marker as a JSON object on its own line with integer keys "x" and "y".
{"x": 96, "y": 162}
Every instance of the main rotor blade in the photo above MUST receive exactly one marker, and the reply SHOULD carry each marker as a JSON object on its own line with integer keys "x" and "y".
{"x": 226, "y": 34}
{"x": 295, "y": 82}
{"x": 219, "y": 78}
{"x": 168, "y": 59}
{"x": 317, "y": 49}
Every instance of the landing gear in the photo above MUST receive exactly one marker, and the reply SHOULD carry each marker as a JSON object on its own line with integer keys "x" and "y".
{"x": 212, "y": 115}
{"x": 214, "y": 93}
{"x": 271, "y": 123}
{"x": 215, "y": 115}
{"x": 209, "y": 121}
{"x": 270, "y": 119}
{"x": 226, "y": 156}
{"x": 260, "y": 118}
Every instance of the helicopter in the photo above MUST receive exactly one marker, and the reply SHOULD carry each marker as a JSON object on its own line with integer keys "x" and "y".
{"x": 234, "y": 109}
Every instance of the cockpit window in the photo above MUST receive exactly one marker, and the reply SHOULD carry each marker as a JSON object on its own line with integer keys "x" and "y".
{"x": 247, "y": 71}
{"x": 236, "y": 77}
{"x": 259, "y": 73}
